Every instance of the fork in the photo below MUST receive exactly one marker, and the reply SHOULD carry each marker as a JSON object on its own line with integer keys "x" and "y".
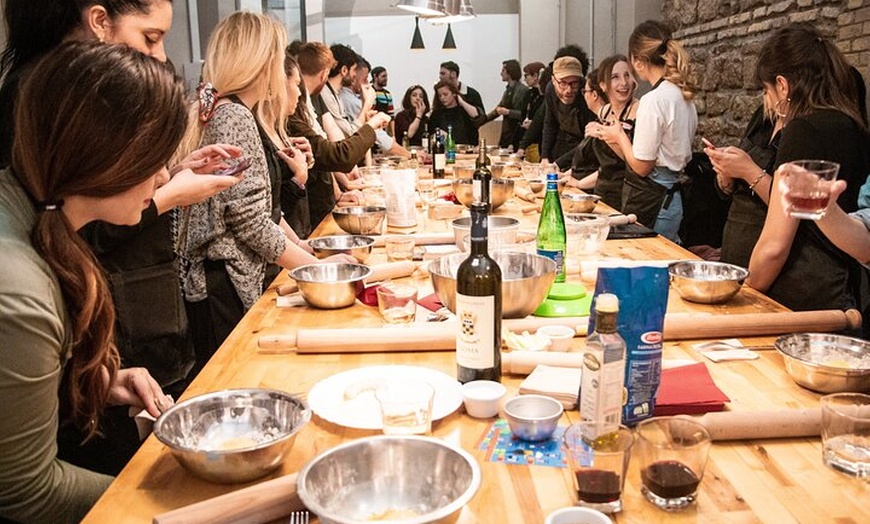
{"x": 299, "y": 517}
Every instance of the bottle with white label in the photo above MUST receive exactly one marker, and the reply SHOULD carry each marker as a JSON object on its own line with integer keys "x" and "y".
{"x": 603, "y": 377}
{"x": 478, "y": 307}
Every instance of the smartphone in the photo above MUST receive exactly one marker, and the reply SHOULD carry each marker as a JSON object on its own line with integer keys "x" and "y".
{"x": 234, "y": 169}
{"x": 708, "y": 143}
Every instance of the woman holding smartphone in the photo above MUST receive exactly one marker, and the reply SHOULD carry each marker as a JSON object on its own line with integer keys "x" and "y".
{"x": 95, "y": 128}
{"x": 663, "y": 131}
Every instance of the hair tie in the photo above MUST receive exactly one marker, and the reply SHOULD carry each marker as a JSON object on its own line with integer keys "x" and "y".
{"x": 663, "y": 47}
{"x": 207, "y": 96}
{"x": 50, "y": 205}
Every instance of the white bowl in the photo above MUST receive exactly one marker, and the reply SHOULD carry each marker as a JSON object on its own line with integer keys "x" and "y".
{"x": 482, "y": 398}
{"x": 576, "y": 515}
{"x": 560, "y": 336}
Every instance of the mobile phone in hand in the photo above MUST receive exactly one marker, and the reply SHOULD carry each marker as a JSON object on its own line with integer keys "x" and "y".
{"x": 235, "y": 169}
{"x": 708, "y": 143}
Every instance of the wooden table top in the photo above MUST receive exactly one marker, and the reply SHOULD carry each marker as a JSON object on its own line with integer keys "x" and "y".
{"x": 775, "y": 481}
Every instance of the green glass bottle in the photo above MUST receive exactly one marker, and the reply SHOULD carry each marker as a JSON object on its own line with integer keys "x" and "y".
{"x": 450, "y": 146}
{"x": 482, "y": 178}
{"x": 478, "y": 307}
{"x": 551, "y": 228}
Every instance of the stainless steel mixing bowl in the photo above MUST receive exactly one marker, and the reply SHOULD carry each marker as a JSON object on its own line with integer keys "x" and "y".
{"x": 360, "y": 220}
{"x": 413, "y": 479}
{"x": 578, "y": 202}
{"x": 501, "y": 191}
{"x": 526, "y": 279}
{"x": 706, "y": 282}
{"x": 234, "y": 435}
{"x": 330, "y": 286}
{"x": 533, "y": 417}
{"x": 357, "y": 246}
{"x": 500, "y": 230}
{"x": 825, "y": 362}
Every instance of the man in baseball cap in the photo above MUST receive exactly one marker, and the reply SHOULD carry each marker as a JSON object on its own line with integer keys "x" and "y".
{"x": 567, "y": 114}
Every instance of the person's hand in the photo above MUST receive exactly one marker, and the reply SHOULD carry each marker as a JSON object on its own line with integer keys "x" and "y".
{"x": 207, "y": 159}
{"x": 368, "y": 95}
{"x": 302, "y": 144}
{"x": 187, "y": 188}
{"x": 733, "y": 162}
{"x": 503, "y": 111}
{"x": 419, "y": 108}
{"x": 305, "y": 246}
{"x": 136, "y": 387}
{"x": 353, "y": 197}
{"x": 526, "y": 123}
{"x": 521, "y": 153}
{"x": 340, "y": 258}
{"x": 296, "y": 161}
{"x": 378, "y": 120}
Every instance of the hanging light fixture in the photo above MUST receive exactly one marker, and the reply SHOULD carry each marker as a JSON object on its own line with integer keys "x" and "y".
{"x": 417, "y": 40}
{"x": 449, "y": 42}
{"x": 423, "y": 7}
{"x": 455, "y": 11}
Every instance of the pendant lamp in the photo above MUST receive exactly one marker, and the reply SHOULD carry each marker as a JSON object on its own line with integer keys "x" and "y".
{"x": 423, "y": 7}
{"x": 449, "y": 42}
{"x": 417, "y": 40}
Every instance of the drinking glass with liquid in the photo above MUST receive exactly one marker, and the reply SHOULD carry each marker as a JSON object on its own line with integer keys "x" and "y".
{"x": 406, "y": 407}
{"x": 846, "y": 433}
{"x": 598, "y": 465}
{"x": 807, "y": 187}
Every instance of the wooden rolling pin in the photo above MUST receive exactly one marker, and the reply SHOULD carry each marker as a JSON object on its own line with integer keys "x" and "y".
{"x": 380, "y": 272}
{"x": 263, "y": 502}
{"x": 524, "y": 193}
{"x": 748, "y": 425}
{"x": 441, "y": 336}
{"x": 620, "y": 220}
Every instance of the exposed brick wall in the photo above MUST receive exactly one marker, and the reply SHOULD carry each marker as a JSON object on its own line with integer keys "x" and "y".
{"x": 724, "y": 38}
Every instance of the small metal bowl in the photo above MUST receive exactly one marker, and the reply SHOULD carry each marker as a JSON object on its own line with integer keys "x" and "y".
{"x": 234, "y": 435}
{"x": 330, "y": 286}
{"x": 501, "y": 191}
{"x": 533, "y": 417}
{"x": 706, "y": 282}
{"x": 359, "y": 247}
{"x": 578, "y": 202}
{"x": 525, "y": 280}
{"x": 360, "y": 220}
{"x": 826, "y": 363}
{"x": 415, "y": 480}
{"x": 500, "y": 230}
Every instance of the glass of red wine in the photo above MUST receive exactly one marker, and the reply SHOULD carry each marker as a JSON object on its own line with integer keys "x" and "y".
{"x": 598, "y": 467}
{"x": 807, "y": 187}
{"x": 672, "y": 452}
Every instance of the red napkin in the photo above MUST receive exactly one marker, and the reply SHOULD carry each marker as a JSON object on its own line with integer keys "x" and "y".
{"x": 369, "y": 295}
{"x": 688, "y": 390}
{"x": 430, "y": 302}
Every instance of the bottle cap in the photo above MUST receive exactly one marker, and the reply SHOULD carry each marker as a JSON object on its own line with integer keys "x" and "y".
{"x": 606, "y": 302}
{"x": 552, "y": 177}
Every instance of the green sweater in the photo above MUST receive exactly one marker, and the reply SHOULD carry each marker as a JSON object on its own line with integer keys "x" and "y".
{"x": 34, "y": 343}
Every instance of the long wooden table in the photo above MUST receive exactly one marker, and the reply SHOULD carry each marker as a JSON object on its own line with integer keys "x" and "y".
{"x": 775, "y": 481}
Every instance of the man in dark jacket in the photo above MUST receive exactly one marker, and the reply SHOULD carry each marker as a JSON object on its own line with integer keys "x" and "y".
{"x": 566, "y": 111}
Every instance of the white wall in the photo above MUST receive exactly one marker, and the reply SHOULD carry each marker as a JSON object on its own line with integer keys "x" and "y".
{"x": 482, "y": 45}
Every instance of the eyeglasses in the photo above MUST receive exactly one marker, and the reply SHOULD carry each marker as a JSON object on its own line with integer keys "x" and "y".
{"x": 573, "y": 85}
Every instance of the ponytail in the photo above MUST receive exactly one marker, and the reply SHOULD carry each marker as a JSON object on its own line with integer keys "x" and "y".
{"x": 651, "y": 42}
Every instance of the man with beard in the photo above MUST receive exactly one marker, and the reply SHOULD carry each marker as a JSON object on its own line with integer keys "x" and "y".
{"x": 566, "y": 111}
{"x": 343, "y": 74}
{"x": 353, "y": 97}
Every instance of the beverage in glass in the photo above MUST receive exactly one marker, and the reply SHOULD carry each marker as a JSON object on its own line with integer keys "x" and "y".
{"x": 807, "y": 187}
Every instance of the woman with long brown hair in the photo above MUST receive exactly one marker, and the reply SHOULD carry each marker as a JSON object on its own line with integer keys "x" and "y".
{"x": 450, "y": 109}
{"x": 95, "y": 127}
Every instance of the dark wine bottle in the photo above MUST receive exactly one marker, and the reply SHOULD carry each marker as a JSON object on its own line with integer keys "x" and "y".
{"x": 482, "y": 178}
{"x": 439, "y": 160}
{"x": 478, "y": 307}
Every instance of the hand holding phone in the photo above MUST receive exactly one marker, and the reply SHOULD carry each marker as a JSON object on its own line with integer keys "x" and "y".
{"x": 235, "y": 169}
{"x": 708, "y": 143}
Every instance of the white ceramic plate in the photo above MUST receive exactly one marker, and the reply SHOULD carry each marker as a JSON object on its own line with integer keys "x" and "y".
{"x": 348, "y": 398}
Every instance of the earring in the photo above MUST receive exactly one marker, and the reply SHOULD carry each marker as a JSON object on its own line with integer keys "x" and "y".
{"x": 778, "y": 110}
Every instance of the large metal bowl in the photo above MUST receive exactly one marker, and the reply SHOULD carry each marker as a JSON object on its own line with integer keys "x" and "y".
{"x": 578, "y": 202}
{"x": 526, "y": 279}
{"x": 234, "y": 435}
{"x": 827, "y": 363}
{"x": 413, "y": 479}
{"x": 330, "y": 286}
{"x": 706, "y": 282}
{"x": 357, "y": 246}
{"x": 360, "y": 220}
{"x": 501, "y": 190}
{"x": 500, "y": 230}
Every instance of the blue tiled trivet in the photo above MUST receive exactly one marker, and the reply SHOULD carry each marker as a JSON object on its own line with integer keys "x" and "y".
{"x": 501, "y": 446}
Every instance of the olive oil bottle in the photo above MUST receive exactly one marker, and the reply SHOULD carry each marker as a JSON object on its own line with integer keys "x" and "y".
{"x": 603, "y": 378}
{"x": 478, "y": 307}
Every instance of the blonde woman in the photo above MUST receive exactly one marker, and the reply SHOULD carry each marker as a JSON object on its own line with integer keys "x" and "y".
{"x": 664, "y": 128}
{"x": 228, "y": 241}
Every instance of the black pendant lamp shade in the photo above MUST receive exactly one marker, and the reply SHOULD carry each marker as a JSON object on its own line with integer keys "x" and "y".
{"x": 449, "y": 42}
{"x": 417, "y": 41}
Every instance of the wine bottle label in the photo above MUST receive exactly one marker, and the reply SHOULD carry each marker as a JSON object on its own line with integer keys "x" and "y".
{"x": 477, "y": 190}
{"x": 474, "y": 340}
{"x": 557, "y": 256}
{"x": 440, "y": 161}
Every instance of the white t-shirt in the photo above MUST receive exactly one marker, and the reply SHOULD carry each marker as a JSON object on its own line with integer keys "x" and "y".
{"x": 665, "y": 126}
